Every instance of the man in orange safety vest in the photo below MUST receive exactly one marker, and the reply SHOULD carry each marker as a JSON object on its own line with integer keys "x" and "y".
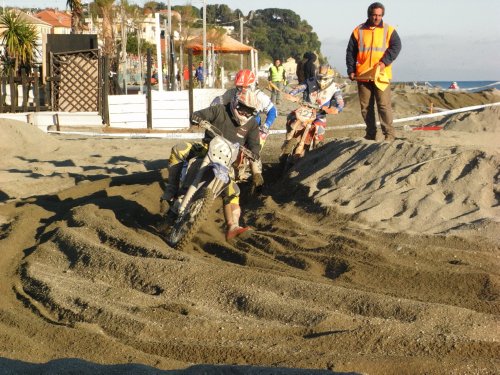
{"x": 374, "y": 45}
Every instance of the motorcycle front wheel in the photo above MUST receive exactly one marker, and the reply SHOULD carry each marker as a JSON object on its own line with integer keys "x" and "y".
{"x": 187, "y": 224}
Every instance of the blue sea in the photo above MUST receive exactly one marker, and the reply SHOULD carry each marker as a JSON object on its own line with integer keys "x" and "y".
{"x": 472, "y": 86}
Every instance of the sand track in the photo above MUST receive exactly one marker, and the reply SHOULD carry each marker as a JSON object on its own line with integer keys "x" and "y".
{"x": 369, "y": 257}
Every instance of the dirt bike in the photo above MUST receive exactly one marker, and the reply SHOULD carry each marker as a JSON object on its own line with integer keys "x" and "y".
{"x": 205, "y": 179}
{"x": 302, "y": 136}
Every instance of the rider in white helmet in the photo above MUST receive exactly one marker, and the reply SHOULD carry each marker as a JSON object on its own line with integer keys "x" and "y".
{"x": 322, "y": 90}
{"x": 236, "y": 121}
{"x": 245, "y": 79}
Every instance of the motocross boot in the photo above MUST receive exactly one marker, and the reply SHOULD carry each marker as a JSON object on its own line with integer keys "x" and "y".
{"x": 232, "y": 214}
{"x": 172, "y": 185}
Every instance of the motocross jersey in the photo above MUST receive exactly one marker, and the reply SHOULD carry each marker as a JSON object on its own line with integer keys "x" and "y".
{"x": 222, "y": 118}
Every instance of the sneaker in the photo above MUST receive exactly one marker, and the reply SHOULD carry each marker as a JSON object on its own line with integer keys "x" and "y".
{"x": 241, "y": 232}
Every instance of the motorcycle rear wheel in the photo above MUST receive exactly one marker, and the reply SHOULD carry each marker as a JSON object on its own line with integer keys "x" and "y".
{"x": 189, "y": 221}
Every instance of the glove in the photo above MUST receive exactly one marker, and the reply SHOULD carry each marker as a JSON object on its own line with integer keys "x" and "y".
{"x": 196, "y": 119}
{"x": 258, "y": 180}
{"x": 264, "y": 129}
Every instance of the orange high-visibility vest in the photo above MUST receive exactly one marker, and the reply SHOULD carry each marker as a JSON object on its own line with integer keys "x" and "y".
{"x": 372, "y": 43}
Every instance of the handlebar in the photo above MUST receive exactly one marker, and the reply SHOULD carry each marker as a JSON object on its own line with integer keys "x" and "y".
{"x": 304, "y": 103}
{"x": 214, "y": 131}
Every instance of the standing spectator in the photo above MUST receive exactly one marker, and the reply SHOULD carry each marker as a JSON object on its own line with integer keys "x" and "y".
{"x": 300, "y": 67}
{"x": 185, "y": 76}
{"x": 199, "y": 74}
{"x": 277, "y": 78}
{"x": 310, "y": 66}
{"x": 154, "y": 77}
{"x": 374, "y": 44}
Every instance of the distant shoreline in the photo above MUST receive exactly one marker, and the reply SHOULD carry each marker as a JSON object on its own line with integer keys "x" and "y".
{"x": 461, "y": 84}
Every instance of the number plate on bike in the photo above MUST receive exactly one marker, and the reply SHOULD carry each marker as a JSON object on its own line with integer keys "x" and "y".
{"x": 304, "y": 113}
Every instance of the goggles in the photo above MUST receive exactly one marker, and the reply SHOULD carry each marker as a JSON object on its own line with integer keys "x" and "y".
{"x": 243, "y": 110}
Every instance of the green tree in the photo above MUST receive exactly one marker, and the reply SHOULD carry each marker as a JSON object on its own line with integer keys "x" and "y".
{"x": 132, "y": 45}
{"x": 19, "y": 39}
{"x": 76, "y": 15}
{"x": 280, "y": 33}
{"x": 220, "y": 14}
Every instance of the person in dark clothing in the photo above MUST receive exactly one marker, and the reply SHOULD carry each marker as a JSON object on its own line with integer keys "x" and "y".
{"x": 373, "y": 47}
{"x": 310, "y": 66}
{"x": 300, "y": 67}
{"x": 236, "y": 121}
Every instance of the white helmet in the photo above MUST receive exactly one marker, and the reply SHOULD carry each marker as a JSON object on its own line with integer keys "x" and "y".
{"x": 244, "y": 106}
{"x": 325, "y": 76}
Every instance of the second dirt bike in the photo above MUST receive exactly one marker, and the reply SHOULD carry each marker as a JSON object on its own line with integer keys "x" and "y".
{"x": 301, "y": 135}
{"x": 205, "y": 180}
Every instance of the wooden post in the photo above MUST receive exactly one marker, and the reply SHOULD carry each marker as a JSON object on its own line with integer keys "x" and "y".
{"x": 13, "y": 94}
{"x": 25, "y": 86}
{"x": 431, "y": 107}
{"x": 56, "y": 121}
{"x": 36, "y": 93}
{"x": 149, "y": 106}
{"x": 3, "y": 93}
{"x": 105, "y": 91}
{"x": 190, "y": 65}
{"x": 48, "y": 95}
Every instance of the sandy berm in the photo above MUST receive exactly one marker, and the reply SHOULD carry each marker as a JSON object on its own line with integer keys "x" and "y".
{"x": 369, "y": 257}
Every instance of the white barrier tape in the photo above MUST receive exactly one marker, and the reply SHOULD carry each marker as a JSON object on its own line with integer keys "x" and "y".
{"x": 280, "y": 131}
{"x": 482, "y": 87}
{"x": 133, "y": 135}
{"x": 419, "y": 117}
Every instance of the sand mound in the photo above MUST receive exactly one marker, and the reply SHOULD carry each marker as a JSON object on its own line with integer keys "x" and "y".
{"x": 403, "y": 186}
{"x": 302, "y": 285}
{"x": 485, "y": 120}
{"x": 20, "y": 138}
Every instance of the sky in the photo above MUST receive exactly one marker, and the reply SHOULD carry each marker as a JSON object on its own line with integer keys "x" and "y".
{"x": 455, "y": 40}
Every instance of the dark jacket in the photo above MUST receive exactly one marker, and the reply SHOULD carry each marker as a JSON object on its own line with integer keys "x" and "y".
{"x": 389, "y": 56}
{"x": 310, "y": 67}
{"x": 300, "y": 67}
{"x": 222, "y": 118}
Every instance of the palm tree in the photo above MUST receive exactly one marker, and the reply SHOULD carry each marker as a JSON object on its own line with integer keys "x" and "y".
{"x": 76, "y": 15}
{"x": 105, "y": 10}
{"x": 19, "y": 39}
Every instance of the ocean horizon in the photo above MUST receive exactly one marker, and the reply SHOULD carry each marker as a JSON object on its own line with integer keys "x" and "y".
{"x": 463, "y": 85}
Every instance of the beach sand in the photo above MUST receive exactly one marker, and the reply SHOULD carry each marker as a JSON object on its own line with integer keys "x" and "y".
{"x": 369, "y": 257}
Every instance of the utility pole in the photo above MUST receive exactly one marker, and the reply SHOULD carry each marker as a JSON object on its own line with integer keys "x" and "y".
{"x": 241, "y": 40}
{"x": 181, "y": 56}
{"x": 171, "y": 62}
{"x": 159, "y": 67}
{"x": 205, "y": 41}
{"x": 167, "y": 53}
{"x": 124, "y": 47}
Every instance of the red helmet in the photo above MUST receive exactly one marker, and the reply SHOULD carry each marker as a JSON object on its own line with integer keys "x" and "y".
{"x": 244, "y": 78}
